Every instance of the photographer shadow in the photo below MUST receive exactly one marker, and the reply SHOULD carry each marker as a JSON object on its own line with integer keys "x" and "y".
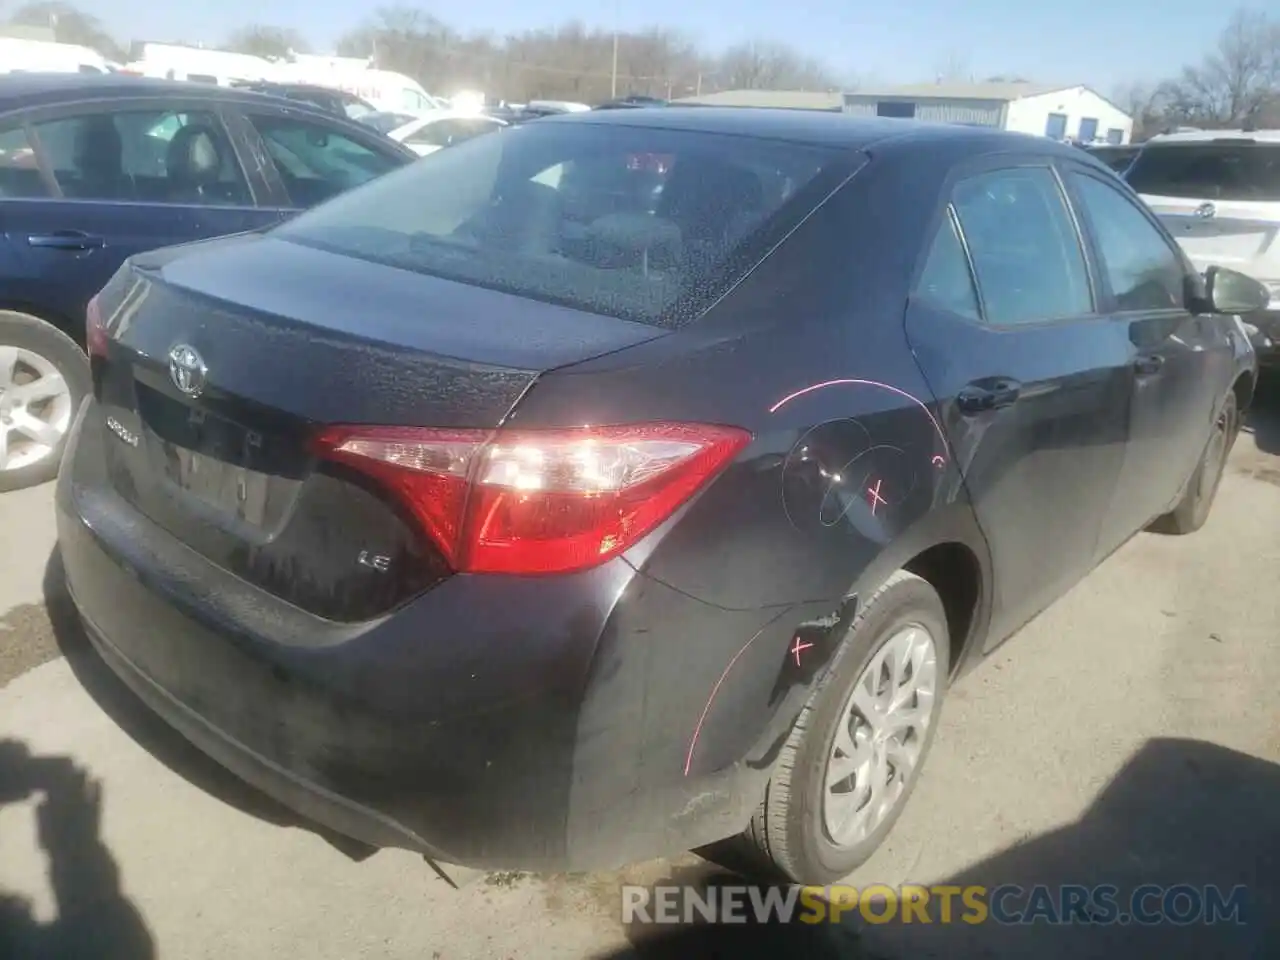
{"x": 94, "y": 918}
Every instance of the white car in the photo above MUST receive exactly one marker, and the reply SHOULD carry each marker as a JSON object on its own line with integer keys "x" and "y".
{"x": 432, "y": 132}
{"x": 1218, "y": 191}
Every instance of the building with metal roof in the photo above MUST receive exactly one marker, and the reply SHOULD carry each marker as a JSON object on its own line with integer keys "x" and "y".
{"x": 777, "y": 99}
{"x": 1065, "y": 113}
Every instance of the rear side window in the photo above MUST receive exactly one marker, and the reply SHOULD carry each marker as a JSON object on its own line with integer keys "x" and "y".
{"x": 1208, "y": 171}
{"x": 1142, "y": 269}
{"x": 1025, "y": 250}
{"x": 19, "y": 169}
{"x": 946, "y": 281}
{"x": 149, "y": 156}
{"x": 316, "y": 162}
{"x": 627, "y": 221}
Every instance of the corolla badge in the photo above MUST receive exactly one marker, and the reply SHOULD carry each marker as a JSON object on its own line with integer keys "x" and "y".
{"x": 187, "y": 370}
{"x": 1206, "y": 211}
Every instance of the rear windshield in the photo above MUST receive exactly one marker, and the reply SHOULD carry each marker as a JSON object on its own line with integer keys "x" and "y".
{"x": 632, "y": 222}
{"x": 1117, "y": 158}
{"x": 1208, "y": 171}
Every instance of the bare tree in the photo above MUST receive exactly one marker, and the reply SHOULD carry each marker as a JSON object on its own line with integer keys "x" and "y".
{"x": 69, "y": 25}
{"x": 765, "y": 65}
{"x": 1236, "y": 83}
{"x": 262, "y": 40}
{"x": 953, "y": 68}
{"x": 404, "y": 39}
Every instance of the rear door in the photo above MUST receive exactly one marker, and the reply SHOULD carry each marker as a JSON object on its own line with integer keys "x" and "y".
{"x": 308, "y": 159}
{"x": 116, "y": 179}
{"x": 1184, "y": 361}
{"x": 1219, "y": 198}
{"x": 1034, "y": 381}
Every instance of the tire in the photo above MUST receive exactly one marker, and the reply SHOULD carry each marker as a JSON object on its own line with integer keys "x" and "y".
{"x": 790, "y": 828}
{"x": 32, "y": 350}
{"x": 1197, "y": 499}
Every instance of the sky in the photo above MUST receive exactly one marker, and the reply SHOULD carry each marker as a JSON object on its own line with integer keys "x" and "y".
{"x": 1102, "y": 43}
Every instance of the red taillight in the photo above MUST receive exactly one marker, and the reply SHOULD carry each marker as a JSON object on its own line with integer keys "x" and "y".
{"x": 95, "y": 331}
{"x": 537, "y": 501}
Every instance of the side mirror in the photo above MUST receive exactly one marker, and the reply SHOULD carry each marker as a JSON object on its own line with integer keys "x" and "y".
{"x": 1232, "y": 292}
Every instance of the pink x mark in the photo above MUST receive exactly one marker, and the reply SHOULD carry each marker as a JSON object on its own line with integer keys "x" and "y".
{"x": 874, "y": 497}
{"x": 797, "y": 647}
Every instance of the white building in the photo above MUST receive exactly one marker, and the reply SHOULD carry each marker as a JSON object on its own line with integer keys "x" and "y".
{"x": 1061, "y": 113}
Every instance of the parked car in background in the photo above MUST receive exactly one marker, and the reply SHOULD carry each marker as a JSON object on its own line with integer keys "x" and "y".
{"x": 340, "y": 102}
{"x": 18, "y": 55}
{"x": 631, "y": 102}
{"x": 1218, "y": 192}
{"x": 95, "y": 169}
{"x": 384, "y": 89}
{"x": 177, "y": 61}
{"x": 501, "y": 513}
{"x": 1117, "y": 157}
{"x": 384, "y": 121}
{"x": 424, "y": 135}
{"x": 548, "y": 108}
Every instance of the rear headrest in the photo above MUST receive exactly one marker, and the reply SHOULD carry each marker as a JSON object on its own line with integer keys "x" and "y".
{"x": 194, "y": 157}
{"x": 98, "y": 147}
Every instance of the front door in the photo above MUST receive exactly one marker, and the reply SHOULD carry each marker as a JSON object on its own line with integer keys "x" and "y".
{"x": 1180, "y": 360}
{"x": 115, "y": 180}
{"x": 1033, "y": 381}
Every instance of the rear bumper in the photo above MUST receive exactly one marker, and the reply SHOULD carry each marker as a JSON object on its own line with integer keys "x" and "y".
{"x": 494, "y": 722}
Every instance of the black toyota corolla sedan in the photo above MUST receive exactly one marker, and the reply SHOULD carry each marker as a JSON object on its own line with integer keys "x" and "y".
{"x": 636, "y": 479}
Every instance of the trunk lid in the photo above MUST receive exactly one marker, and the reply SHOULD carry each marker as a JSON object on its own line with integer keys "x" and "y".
{"x": 1242, "y": 235}
{"x": 227, "y": 357}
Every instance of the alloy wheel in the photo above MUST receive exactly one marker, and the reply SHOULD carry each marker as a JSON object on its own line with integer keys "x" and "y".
{"x": 35, "y": 408}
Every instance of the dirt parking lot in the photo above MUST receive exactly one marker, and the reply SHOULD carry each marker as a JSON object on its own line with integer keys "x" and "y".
{"x": 1129, "y": 735}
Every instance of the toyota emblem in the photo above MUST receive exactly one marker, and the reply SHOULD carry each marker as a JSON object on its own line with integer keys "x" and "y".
{"x": 1206, "y": 211}
{"x": 187, "y": 370}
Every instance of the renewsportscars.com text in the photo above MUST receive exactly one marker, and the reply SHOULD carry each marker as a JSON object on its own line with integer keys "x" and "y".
{"x": 1181, "y": 904}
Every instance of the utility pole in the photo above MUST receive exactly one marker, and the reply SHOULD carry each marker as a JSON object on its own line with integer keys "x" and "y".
{"x": 613, "y": 87}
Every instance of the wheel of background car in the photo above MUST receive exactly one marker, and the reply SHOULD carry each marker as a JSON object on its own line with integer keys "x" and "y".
{"x": 855, "y": 753}
{"x": 1197, "y": 499}
{"x": 43, "y": 378}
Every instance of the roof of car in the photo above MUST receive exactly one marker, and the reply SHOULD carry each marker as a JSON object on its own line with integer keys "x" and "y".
{"x": 1209, "y": 136}
{"x": 18, "y": 90}
{"x": 814, "y": 127}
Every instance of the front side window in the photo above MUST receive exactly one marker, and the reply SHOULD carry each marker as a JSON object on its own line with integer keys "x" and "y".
{"x": 1025, "y": 250}
{"x": 316, "y": 162}
{"x": 1141, "y": 268}
{"x": 19, "y": 169}
{"x": 414, "y": 102}
{"x": 149, "y": 156}
{"x": 631, "y": 222}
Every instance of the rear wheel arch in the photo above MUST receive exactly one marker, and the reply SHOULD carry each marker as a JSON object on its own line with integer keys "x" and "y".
{"x": 947, "y": 549}
{"x": 954, "y": 571}
{"x": 1243, "y": 388}
{"x": 58, "y": 321}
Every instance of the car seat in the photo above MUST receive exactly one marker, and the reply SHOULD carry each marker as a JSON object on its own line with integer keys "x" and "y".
{"x": 98, "y": 157}
{"x": 194, "y": 164}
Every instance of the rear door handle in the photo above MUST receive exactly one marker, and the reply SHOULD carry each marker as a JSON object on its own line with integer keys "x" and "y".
{"x": 1148, "y": 365}
{"x": 66, "y": 240}
{"x": 984, "y": 395}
